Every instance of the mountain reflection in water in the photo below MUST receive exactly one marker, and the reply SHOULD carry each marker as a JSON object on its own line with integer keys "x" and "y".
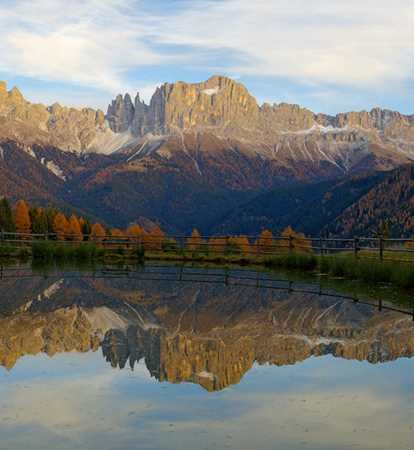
{"x": 208, "y": 334}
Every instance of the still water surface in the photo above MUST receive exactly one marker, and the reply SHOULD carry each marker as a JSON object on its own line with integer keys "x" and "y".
{"x": 118, "y": 363}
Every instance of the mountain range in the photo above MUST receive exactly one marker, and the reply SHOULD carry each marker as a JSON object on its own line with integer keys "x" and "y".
{"x": 207, "y": 155}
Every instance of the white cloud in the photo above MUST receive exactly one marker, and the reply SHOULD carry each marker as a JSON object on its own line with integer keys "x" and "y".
{"x": 350, "y": 42}
{"x": 89, "y": 43}
{"x": 97, "y": 43}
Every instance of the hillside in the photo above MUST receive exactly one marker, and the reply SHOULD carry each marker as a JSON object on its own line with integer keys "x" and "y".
{"x": 196, "y": 153}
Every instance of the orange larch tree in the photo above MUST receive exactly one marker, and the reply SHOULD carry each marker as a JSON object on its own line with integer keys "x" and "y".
{"x": 74, "y": 229}
{"x": 60, "y": 226}
{"x": 240, "y": 244}
{"x": 22, "y": 217}
{"x": 295, "y": 241}
{"x": 97, "y": 232}
{"x": 154, "y": 239}
{"x": 135, "y": 233}
{"x": 217, "y": 244}
{"x": 194, "y": 242}
{"x": 265, "y": 242}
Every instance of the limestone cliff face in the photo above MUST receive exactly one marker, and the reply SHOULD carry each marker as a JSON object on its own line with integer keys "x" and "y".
{"x": 285, "y": 133}
{"x": 67, "y": 128}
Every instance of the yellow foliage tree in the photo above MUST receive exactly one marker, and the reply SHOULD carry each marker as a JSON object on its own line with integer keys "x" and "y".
{"x": 295, "y": 241}
{"x": 60, "y": 226}
{"x": 135, "y": 233}
{"x": 74, "y": 229}
{"x": 97, "y": 232}
{"x": 240, "y": 243}
{"x": 265, "y": 242}
{"x": 217, "y": 244}
{"x": 22, "y": 218}
{"x": 154, "y": 239}
{"x": 194, "y": 242}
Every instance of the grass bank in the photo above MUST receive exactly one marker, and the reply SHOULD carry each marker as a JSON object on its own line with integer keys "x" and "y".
{"x": 48, "y": 251}
{"x": 366, "y": 270}
{"x": 343, "y": 266}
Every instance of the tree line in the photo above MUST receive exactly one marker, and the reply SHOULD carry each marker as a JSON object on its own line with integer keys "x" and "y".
{"x": 26, "y": 220}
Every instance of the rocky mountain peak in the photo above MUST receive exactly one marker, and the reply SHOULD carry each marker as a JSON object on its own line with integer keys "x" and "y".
{"x": 15, "y": 95}
{"x": 66, "y": 128}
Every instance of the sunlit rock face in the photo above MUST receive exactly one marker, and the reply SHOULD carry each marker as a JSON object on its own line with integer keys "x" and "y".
{"x": 283, "y": 132}
{"x": 208, "y": 335}
{"x": 69, "y": 129}
{"x": 190, "y": 157}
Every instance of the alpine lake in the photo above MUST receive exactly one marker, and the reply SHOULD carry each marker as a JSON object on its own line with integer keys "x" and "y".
{"x": 164, "y": 357}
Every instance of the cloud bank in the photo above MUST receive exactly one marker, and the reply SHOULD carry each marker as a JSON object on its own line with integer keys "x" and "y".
{"x": 99, "y": 43}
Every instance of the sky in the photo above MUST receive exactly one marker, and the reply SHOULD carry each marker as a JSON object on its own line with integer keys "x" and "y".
{"x": 327, "y": 55}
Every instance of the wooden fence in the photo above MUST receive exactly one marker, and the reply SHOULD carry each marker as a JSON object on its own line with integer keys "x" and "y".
{"x": 368, "y": 247}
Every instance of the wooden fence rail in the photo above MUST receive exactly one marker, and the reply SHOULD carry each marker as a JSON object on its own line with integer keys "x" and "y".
{"x": 370, "y": 247}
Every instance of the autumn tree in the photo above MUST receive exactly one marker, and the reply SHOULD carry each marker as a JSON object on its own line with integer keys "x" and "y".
{"x": 194, "y": 242}
{"x": 217, "y": 244}
{"x": 22, "y": 218}
{"x": 60, "y": 226}
{"x": 74, "y": 229}
{"x": 265, "y": 242}
{"x": 295, "y": 241}
{"x": 135, "y": 233}
{"x": 6, "y": 216}
{"x": 240, "y": 244}
{"x": 97, "y": 232}
{"x": 154, "y": 239}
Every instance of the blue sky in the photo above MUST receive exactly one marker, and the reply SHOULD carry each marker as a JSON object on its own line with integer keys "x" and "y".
{"x": 328, "y": 55}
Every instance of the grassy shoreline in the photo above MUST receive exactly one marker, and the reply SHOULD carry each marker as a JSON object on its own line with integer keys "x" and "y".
{"x": 341, "y": 266}
{"x": 344, "y": 266}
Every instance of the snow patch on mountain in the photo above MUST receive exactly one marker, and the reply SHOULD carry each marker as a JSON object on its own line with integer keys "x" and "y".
{"x": 54, "y": 168}
{"x": 211, "y": 91}
{"x": 316, "y": 128}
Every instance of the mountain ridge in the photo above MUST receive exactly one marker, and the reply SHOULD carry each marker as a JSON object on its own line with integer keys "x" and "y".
{"x": 195, "y": 153}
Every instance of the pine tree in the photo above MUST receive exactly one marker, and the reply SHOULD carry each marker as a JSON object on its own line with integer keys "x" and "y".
{"x": 22, "y": 218}
{"x": 39, "y": 220}
{"x": 86, "y": 228}
{"x": 6, "y": 216}
{"x": 60, "y": 226}
{"x": 50, "y": 215}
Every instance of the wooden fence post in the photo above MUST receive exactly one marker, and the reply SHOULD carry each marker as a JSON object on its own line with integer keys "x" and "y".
{"x": 381, "y": 248}
{"x": 290, "y": 243}
{"x": 356, "y": 247}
